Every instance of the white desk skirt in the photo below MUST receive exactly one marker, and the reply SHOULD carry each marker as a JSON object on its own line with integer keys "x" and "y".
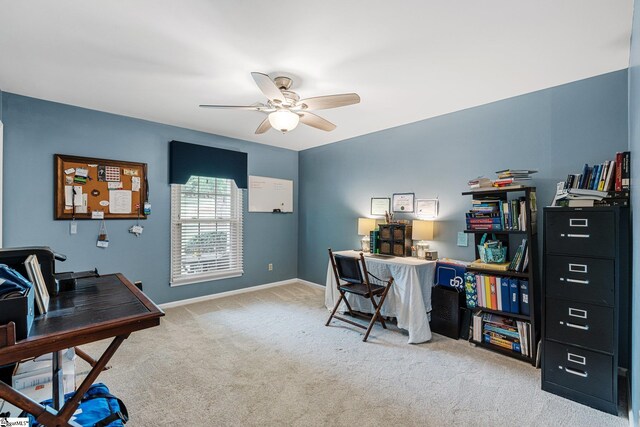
{"x": 409, "y": 299}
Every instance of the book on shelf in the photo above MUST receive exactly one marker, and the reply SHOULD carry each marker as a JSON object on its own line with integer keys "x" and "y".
{"x": 489, "y": 266}
{"x": 524, "y": 297}
{"x": 471, "y": 293}
{"x": 517, "y": 263}
{"x": 502, "y": 332}
{"x": 509, "y": 295}
{"x": 612, "y": 202}
{"x": 514, "y": 294}
{"x": 494, "y": 293}
{"x": 479, "y": 182}
{"x": 515, "y": 172}
{"x": 505, "y": 283}
{"x": 577, "y": 197}
{"x": 626, "y": 170}
{"x": 509, "y": 345}
{"x": 597, "y": 185}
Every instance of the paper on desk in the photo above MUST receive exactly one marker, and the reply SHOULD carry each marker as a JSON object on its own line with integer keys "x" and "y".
{"x": 120, "y": 201}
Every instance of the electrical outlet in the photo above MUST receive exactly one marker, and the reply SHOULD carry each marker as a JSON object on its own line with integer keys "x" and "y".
{"x": 270, "y": 267}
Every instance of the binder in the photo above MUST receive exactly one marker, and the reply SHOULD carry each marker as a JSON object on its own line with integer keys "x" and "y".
{"x": 487, "y": 292}
{"x": 494, "y": 293}
{"x": 524, "y": 297}
{"x": 480, "y": 290}
{"x": 506, "y": 295}
{"x": 514, "y": 296}
{"x": 470, "y": 290}
{"x": 499, "y": 293}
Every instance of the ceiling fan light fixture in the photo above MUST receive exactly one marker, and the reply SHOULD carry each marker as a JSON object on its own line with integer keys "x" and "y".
{"x": 283, "y": 120}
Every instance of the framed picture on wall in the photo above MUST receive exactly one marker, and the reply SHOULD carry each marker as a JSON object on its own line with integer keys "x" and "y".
{"x": 403, "y": 202}
{"x": 427, "y": 208}
{"x": 380, "y": 205}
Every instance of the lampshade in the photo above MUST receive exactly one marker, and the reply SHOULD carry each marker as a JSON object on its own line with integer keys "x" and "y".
{"x": 284, "y": 120}
{"x": 422, "y": 230}
{"x": 365, "y": 225}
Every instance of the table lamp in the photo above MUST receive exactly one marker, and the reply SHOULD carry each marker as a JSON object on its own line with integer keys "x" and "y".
{"x": 422, "y": 231}
{"x": 365, "y": 225}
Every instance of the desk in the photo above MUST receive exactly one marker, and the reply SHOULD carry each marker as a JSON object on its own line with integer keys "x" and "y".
{"x": 104, "y": 307}
{"x": 409, "y": 299}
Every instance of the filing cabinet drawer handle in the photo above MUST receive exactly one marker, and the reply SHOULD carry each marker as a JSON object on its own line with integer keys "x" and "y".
{"x": 577, "y": 268}
{"x": 582, "y": 282}
{"x": 578, "y": 222}
{"x": 576, "y": 312}
{"x": 576, "y": 358}
{"x": 573, "y": 325}
{"x": 578, "y": 373}
{"x": 581, "y": 236}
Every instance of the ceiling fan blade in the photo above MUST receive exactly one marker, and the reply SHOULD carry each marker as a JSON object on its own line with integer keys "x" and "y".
{"x": 330, "y": 101}
{"x": 264, "y": 126}
{"x": 268, "y": 87}
{"x": 234, "y": 107}
{"x": 317, "y": 122}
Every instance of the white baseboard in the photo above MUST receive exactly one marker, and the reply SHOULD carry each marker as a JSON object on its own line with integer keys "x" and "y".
{"x": 228, "y": 293}
{"x": 308, "y": 283}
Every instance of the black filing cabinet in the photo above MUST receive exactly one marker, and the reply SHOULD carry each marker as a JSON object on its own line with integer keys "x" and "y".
{"x": 586, "y": 303}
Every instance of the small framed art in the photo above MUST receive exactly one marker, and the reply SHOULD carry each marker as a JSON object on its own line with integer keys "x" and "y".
{"x": 403, "y": 202}
{"x": 427, "y": 208}
{"x": 380, "y": 205}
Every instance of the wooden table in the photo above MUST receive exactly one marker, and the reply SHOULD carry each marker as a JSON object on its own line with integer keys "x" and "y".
{"x": 409, "y": 299}
{"x": 104, "y": 307}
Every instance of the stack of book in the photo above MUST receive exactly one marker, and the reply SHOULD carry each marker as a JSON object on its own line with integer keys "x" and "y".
{"x": 485, "y": 214}
{"x": 497, "y": 215}
{"x": 502, "y": 332}
{"x": 513, "y": 177}
{"x": 605, "y": 184}
{"x": 507, "y": 294}
{"x": 507, "y": 178}
{"x": 480, "y": 183}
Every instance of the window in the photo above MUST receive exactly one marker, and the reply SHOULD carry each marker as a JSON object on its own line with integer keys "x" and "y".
{"x": 206, "y": 230}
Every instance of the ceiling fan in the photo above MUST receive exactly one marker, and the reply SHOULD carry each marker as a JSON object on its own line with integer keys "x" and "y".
{"x": 285, "y": 109}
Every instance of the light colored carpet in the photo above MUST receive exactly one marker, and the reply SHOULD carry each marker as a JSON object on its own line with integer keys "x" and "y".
{"x": 265, "y": 358}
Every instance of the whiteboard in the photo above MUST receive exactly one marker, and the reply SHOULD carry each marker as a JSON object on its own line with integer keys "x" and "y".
{"x": 267, "y": 194}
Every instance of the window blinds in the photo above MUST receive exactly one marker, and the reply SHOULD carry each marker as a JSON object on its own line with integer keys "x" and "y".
{"x": 206, "y": 230}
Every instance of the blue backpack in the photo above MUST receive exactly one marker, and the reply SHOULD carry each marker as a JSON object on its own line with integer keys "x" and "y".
{"x": 12, "y": 283}
{"x": 99, "y": 409}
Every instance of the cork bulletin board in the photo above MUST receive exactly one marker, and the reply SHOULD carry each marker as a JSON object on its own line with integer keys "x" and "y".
{"x": 84, "y": 185}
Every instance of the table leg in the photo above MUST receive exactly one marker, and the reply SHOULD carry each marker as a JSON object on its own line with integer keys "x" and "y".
{"x": 58, "y": 388}
{"x": 49, "y": 416}
{"x": 90, "y": 360}
{"x": 72, "y": 404}
{"x": 44, "y": 415}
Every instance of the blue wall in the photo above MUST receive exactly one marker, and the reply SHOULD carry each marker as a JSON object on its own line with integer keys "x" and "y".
{"x": 634, "y": 147}
{"x": 556, "y": 131}
{"x": 35, "y": 130}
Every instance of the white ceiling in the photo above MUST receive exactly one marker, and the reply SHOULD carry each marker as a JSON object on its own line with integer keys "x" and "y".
{"x": 408, "y": 60}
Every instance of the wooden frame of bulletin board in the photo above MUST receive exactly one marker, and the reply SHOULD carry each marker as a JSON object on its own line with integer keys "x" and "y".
{"x": 115, "y": 187}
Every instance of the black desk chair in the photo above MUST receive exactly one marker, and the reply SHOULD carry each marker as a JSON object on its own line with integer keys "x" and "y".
{"x": 354, "y": 272}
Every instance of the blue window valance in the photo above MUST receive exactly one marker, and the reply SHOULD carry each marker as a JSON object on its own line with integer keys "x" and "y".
{"x": 186, "y": 160}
